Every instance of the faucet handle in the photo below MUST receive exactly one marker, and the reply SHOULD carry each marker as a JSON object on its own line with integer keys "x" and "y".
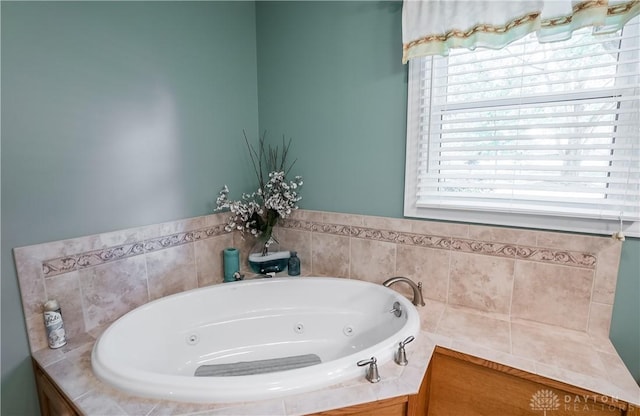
{"x": 372, "y": 372}
{"x": 401, "y": 354}
{"x": 407, "y": 340}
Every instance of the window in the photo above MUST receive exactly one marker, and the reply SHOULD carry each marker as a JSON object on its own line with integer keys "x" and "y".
{"x": 540, "y": 135}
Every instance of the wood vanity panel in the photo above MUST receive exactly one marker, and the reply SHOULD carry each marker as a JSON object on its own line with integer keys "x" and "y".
{"x": 53, "y": 402}
{"x": 460, "y": 386}
{"x": 419, "y": 403}
{"x": 396, "y": 406}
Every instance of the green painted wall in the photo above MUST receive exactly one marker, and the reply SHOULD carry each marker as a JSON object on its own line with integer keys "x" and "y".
{"x": 330, "y": 76}
{"x": 625, "y": 327}
{"x": 114, "y": 115}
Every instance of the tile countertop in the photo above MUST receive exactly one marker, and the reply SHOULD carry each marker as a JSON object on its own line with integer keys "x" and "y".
{"x": 568, "y": 356}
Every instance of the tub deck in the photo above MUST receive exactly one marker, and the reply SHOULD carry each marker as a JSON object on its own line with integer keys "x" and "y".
{"x": 560, "y": 354}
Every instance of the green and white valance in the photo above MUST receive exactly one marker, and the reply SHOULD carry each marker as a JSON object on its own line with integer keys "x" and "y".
{"x": 433, "y": 27}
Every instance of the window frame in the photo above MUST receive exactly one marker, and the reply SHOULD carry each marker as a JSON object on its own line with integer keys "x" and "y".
{"x": 520, "y": 220}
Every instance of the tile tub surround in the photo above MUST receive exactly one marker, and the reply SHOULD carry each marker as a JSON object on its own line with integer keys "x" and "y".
{"x": 96, "y": 279}
{"x": 567, "y": 281}
{"x": 552, "y": 278}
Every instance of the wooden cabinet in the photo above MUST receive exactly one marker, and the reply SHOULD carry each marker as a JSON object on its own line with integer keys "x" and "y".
{"x": 396, "y": 406}
{"x": 53, "y": 402}
{"x": 459, "y": 384}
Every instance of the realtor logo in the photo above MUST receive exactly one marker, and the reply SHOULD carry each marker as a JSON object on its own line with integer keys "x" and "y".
{"x": 544, "y": 400}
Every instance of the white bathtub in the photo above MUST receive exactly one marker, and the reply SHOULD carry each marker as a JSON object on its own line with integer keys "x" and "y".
{"x": 155, "y": 349}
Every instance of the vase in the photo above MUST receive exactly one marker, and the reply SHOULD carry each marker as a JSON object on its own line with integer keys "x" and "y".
{"x": 266, "y": 243}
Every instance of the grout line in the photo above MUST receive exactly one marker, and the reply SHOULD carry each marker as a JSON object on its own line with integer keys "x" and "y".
{"x": 513, "y": 285}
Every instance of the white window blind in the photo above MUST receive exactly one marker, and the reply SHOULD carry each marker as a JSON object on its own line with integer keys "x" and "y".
{"x": 533, "y": 129}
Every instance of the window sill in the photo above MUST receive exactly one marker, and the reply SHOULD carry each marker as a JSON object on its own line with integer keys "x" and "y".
{"x": 578, "y": 225}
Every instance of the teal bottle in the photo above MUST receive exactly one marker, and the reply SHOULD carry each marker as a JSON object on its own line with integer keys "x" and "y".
{"x": 293, "y": 267}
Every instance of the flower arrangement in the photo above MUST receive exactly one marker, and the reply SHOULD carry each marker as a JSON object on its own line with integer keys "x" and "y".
{"x": 257, "y": 213}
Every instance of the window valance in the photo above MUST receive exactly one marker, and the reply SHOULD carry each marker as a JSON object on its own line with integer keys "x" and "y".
{"x": 432, "y": 27}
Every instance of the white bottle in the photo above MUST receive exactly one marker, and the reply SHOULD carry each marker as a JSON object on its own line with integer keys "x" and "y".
{"x": 54, "y": 325}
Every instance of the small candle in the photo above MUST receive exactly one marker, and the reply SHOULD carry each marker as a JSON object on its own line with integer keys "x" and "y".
{"x": 231, "y": 263}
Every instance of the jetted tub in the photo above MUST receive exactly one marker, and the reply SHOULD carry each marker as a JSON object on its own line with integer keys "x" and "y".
{"x": 320, "y": 327}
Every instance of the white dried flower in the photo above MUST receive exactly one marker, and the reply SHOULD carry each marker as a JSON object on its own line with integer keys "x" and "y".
{"x": 274, "y": 198}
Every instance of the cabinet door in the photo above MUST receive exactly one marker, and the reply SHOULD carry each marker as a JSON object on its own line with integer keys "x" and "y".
{"x": 460, "y": 387}
{"x": 52, "y": 401}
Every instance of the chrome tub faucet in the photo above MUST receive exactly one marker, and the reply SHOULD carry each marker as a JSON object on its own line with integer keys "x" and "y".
{"x": 418, "y": 300}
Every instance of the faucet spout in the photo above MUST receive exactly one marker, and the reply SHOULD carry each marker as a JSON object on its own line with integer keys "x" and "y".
{"x": 418, "y": 300}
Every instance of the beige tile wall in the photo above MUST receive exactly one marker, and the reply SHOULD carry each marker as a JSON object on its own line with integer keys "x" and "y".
{"x": 554, "y": 278}
{"x": 99, "y": 278}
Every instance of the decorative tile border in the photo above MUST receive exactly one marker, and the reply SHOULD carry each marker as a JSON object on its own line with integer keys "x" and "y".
{"x": 539, "y": 254}
{"x": 570, "y": 258}
{"x": 66, "y": 264}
